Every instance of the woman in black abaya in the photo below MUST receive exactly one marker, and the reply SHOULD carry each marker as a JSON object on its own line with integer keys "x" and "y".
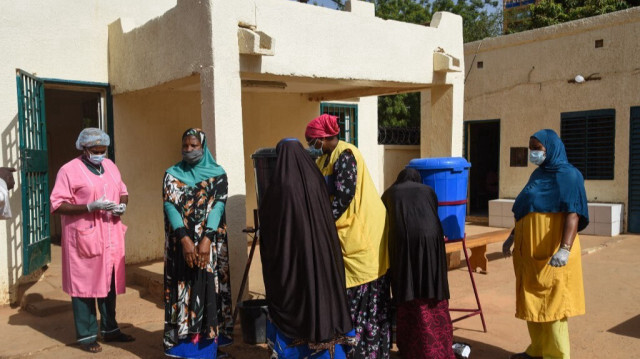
{"x": 301, "y": 257}
{"x": 418, "y": 269}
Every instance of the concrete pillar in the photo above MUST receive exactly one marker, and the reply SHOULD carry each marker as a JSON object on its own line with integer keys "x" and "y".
{"x": 368, "y": 137}
{"x": 221, "y": 106}
{"x": 441, "y": 109}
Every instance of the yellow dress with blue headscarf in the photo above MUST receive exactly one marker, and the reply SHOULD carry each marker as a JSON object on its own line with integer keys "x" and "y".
{"x": 556, "y": 188}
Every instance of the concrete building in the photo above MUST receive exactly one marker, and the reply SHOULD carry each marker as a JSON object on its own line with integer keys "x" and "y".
{"x": 579, "y": 78}
{"x": 249, "y": 72}
{"x": 514, "y": 12}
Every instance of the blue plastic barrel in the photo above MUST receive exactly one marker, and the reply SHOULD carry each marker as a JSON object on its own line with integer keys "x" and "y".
{"x": 448, "y": 176}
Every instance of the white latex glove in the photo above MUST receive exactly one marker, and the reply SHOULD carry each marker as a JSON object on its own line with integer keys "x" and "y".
{"x": 560, "y": 259}
{"x": 119, "y": 210}
{"x": 506, "y": 246}
{"x": 101, "y": 204}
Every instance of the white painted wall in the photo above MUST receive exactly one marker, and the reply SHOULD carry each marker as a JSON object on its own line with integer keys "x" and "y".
{"x": 368, "y": 138}
{"x": 65, "y": 39}
{"x": 524, "y": 83}
{"x": 310, "y": 41}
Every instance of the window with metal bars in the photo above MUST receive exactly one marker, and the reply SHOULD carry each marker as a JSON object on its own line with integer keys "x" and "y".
{"x": 347, "y": 119}
{"x": 589, "y": 138}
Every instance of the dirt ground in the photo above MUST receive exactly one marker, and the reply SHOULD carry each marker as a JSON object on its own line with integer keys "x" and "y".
{"x": 610, "y": 329}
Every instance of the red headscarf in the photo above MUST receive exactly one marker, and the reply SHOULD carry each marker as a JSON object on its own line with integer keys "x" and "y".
{"x": 322, "y": 126}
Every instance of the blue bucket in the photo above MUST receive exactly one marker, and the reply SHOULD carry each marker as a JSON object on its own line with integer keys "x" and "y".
{"x": 448, "y": 176}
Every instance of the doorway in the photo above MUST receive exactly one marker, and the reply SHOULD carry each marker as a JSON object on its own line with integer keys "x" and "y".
{"x": 68, "y": 110}
{"x": 51, "y": 113}
{"x": 482, "y": 149}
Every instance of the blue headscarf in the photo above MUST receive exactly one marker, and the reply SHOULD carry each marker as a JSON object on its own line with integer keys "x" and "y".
{"x": 555, "y": 186}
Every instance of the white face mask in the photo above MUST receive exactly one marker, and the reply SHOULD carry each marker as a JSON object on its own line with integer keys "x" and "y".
{"x": 537, "y": 157}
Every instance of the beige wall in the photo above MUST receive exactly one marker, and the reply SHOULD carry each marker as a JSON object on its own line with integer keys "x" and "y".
{"x": 201, "y": 38}
{"x": 182, "y": 42}
{"x": 267, "y": 118}
{"x": 316, "y": 41}
{"x": 65, "y": 39}
{"x": 393, "y": 160}
{"x": 524, "y": 83}
{"x": 148, "y": 130}
{"x": 167, "y": 48}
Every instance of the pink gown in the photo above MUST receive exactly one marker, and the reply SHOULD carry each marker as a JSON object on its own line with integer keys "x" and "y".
{"x": 92, "y": 243}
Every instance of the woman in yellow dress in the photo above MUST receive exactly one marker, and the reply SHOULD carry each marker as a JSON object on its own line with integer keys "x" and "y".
{"x": 361, "y": 221}
{"x": 549, "y": 212}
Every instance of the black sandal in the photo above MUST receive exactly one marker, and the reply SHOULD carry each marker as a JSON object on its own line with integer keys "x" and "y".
{"x": 120, "y": 337}
{"x": 93, "y": 347}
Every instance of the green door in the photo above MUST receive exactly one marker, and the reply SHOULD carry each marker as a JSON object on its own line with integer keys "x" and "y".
{"x": 36, "y": 248}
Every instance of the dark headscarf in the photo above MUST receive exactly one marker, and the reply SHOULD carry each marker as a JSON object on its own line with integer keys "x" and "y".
{"x": 206, "y": 168}
{"x": 300, "y": 251}
{"x": 555, "y": 186}
{"x": 416, "y": 241}
{"x": 408, "y": 174}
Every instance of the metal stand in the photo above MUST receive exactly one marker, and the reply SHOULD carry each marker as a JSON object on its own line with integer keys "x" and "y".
{"x": 471, "y": 312}
{"x": 255, "y": 231}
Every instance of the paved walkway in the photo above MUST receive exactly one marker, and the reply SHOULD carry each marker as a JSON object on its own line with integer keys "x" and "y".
{"x": 610, "y": 329}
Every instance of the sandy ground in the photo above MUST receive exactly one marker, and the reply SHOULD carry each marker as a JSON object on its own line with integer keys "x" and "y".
{"x": 610, "y": 329}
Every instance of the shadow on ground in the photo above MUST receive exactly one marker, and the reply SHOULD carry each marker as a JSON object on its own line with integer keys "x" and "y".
{"x": 630, "y": 328}
{"x": 61, "y": 328}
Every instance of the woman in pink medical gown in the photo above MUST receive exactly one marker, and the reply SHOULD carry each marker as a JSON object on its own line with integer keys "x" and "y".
{"x": 90, "y": 197}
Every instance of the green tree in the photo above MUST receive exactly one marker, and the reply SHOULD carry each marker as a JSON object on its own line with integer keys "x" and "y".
{"x": 480, "y": 19}
{"x": 552, "y": 12}
{"x": 399, "y": 110}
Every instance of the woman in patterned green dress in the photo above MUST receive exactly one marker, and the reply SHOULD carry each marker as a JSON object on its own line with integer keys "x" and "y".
{"x": 196, "y": 268}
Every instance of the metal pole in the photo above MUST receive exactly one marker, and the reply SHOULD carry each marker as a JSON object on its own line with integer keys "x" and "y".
{"x": 256, "y": 232}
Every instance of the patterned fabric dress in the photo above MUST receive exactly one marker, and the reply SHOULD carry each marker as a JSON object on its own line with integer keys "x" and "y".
{"x": 425, "y": 330}
{"x": 197, "y": 301}
{"x": 369, "y": 303}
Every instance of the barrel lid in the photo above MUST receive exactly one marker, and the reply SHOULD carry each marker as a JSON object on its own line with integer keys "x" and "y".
{"x": 439, "y": 163}
{"x": 265, "y": 152}
{"x": 270, "y": 152}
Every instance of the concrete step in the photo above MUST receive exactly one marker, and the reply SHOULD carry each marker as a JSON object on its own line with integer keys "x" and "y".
{"x": 48, "y": 306}
{"x": 44, "y": 298}
{"x": 150, "y": 277}
{"x": 134, "y": 291}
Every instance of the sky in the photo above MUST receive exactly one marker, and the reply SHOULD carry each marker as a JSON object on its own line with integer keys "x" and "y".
{"x": 325, "y": 3}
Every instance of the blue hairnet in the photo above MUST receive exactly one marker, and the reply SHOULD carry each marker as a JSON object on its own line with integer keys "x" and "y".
{"x": 92, "y": 136}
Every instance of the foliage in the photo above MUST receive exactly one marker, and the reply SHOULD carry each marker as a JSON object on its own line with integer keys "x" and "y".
{"x": 399, "y": 110}
{"x": 481, "y": 18}
{"x": 552, "y": 12}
